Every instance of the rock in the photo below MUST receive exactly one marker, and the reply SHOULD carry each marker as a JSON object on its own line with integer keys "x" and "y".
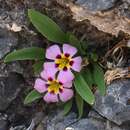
{"x": 10, "y": 14}
{"x": 93, "y": 122}
{"x": 97, "y": 5}
{"x": 56, "y": 120}
{"x": 5, "y": 69}
{"x": 9, "y": 89}
{"x": 127, "y": 1}
{"x": 86, "y": 124}
{"x": 7, "y": 41}
{"x": 115, "y": 106}
{"x": 40, "y": 127}
{"x": 3, "y": 125}
{"x": 22, "y": 127}
{"x": 106, "y": 124}
{"x": 3, "y": 122}
{"x": 13, "y": 18}
{"x": 125, "y": 8}
{"x": 36, "y": 120}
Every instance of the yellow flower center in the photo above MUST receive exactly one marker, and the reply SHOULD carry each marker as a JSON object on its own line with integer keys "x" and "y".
{"x": 63, "y": 61}
{"x": 54, "y": 87}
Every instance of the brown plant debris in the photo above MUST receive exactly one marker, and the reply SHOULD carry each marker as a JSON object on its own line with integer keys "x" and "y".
{"x": 117, "y": 55}
{"x": 109, "y": 21}
{"x": 116, "y": 73}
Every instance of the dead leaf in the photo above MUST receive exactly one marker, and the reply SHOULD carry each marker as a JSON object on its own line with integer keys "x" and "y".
{"x": 115, "y": 73}
{"x": 110, "y": 21}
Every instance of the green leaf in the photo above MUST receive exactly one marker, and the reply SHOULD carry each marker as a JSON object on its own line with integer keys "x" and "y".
{"x": 87, "y": 74}
{"x": 46, "y": 26}
{"x": 83, "y": 89}
{"x": 84, "y": 45}
{"x": 75, "y": 42}
{"x": 67, "y": 107}
{"x": 31, "y": 53}
{"x": 80, "y": 105}
{"x": 38, "y": 66}
{"x": 32, "y": 96}
{"x": 94, "y": 57}
{"x": 98, "y": 76}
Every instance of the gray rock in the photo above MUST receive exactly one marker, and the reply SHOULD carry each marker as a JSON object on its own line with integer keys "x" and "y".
{"x": 94, "y": 121}
{"x": 5, "y": 69}
{"x": 14, "y": 15}
{"x": 106, "y": 124}
{"x": 3, "y": 125}
{"x": 9, "y": 89}
{"x": 21, "y": 127}
{"x": 7, "y": 41}
{"x": 3, "y": 122}
{"x": 56, "y": 120}
{"x": 87, "y": 124}
{"x": 127, "y": 1}
{"x": 115, "y": 106}
{"x": 36, "y": 120}
{"x": 96, "y": 5}
{"x": 125, "y": 8}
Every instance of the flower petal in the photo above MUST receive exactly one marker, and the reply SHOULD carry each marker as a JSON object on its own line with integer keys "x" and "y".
{"x": 65, "y": 76}
{"x": 50, "y": 66}
{"x": 48, "y": 73}
{"x": 52, "y": 52}
{"x": 69, "y": 49}
{"x": 40, "y": 85}
{"x": 51, "y": 98}
{"x": 66, "y": 95}
{"x": 77, "y": 63}
{"x": 68, "y": 84}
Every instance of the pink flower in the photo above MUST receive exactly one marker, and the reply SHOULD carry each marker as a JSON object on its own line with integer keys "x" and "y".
{"x": 55, "y": 88}
{"x": 63, "y": 61}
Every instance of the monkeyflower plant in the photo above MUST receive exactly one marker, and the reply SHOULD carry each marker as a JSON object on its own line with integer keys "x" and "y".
{"x": 66, "y": 71}
{"x": 56, "y": 77}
